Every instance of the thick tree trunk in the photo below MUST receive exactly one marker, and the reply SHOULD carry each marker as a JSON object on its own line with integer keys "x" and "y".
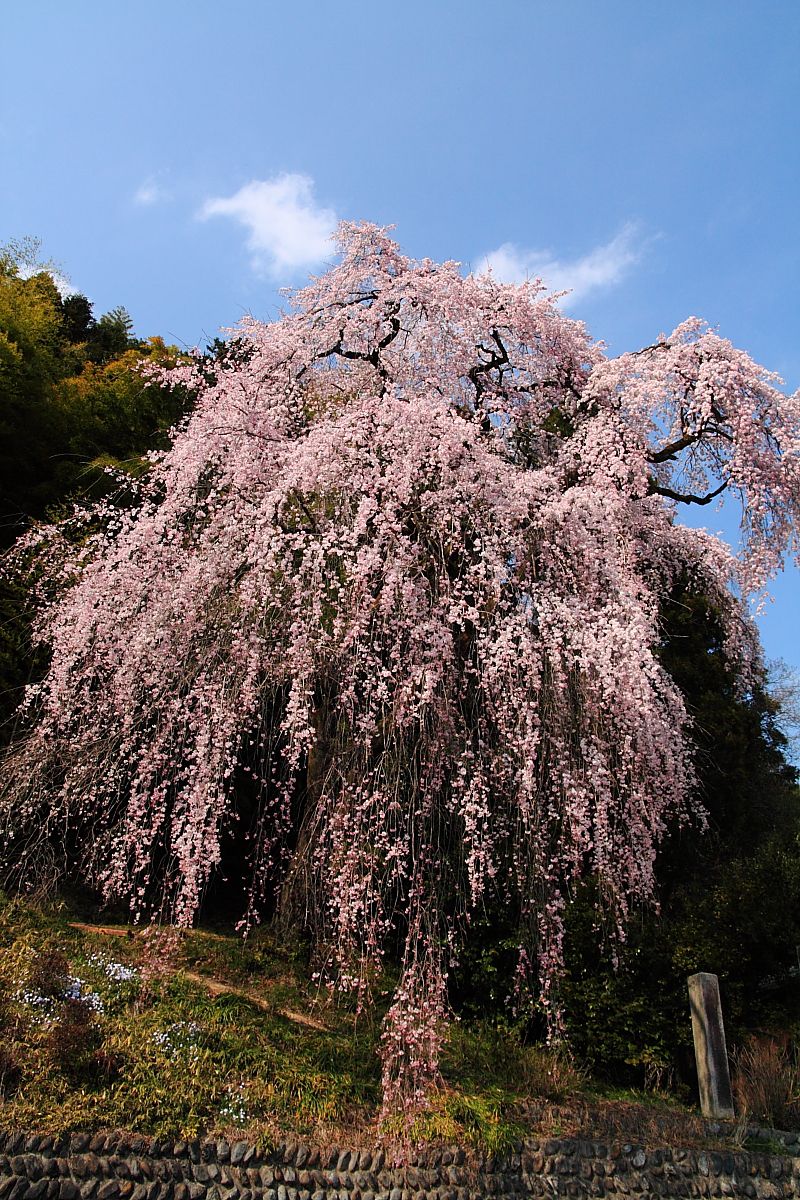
{"x": 297, "y": 901}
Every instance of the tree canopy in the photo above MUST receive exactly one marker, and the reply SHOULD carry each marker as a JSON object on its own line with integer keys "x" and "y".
{"x": 399, "y": 579}
{"x": 58, "y": 370}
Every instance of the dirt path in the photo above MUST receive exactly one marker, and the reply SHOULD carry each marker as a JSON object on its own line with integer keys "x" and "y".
{"x": 217, "y": 987}
{"x": 111, "y": 930}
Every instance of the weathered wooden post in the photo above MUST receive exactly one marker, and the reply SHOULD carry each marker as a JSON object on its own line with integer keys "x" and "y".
{"x": 710, "y": 1051}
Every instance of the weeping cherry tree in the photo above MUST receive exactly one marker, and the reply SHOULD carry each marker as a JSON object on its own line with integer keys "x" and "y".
{"x": 401, "y": 572}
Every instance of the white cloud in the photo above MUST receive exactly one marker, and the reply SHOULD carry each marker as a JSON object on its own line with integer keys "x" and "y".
{"x": 287, "y": 231}
{"x": 63, "y": 282}
{"x": 150, "y": 192}
{"x": 601, "y": 268}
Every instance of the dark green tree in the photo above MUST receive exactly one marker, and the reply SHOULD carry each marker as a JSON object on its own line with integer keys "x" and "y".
{"x": 110, "y": 336}
{"x": 78, "y": 321}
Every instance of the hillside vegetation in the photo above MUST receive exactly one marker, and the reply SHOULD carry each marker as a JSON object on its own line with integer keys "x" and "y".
{"x": 176, "y": 1034}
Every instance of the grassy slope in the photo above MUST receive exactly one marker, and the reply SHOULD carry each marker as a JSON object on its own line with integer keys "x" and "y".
{"x": 212, "y": 1034}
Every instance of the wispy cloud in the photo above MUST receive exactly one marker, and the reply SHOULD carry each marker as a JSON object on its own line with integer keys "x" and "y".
{"x": 64, "y": 284}
{"x": 602, "y": 267}
{"x": 287, "y": 230}
{"x": 150, "y": 192}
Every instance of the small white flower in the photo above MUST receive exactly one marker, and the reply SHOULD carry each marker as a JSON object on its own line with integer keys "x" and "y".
{"x": 43, "y": 1007}
{"x": 75, "y": 991}
{"x": 115, "y": 972}
{"x": 120, "y": 973}
{"x": 178, "y": 1039}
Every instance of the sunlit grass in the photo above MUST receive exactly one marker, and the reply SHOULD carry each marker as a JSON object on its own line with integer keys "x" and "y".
{"x": 182, "y": 1035}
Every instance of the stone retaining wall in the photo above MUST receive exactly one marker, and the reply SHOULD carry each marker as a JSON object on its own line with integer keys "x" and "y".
{"x": 107, "y": 1166}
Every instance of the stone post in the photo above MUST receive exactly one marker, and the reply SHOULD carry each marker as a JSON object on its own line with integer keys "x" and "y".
{"x": 709, "y": 1046}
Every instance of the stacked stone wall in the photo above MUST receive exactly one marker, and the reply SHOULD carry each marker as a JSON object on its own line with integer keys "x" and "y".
{"x": 111, "y": 1166}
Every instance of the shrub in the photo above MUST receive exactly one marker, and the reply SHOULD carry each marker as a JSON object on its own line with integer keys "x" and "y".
{"x": 73, "y": 1040}
{"x": 767, "y": 1082}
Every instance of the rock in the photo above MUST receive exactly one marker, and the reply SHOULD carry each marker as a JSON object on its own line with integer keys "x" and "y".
{"x": 109, "y": 1189}
{"x": 35, "y": 1191}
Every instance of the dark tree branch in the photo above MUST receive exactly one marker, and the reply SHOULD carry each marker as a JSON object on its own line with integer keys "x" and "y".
{"x": 312, "y": 520}
{"x": 372, "y": 356}
{"x": 674, "y": 448}
{"x": 497, "y": 360}
{"x": 689, "y": 439}
{"x": 661, "y": 489}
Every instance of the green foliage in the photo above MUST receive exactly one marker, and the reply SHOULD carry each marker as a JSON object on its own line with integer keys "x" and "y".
{"x": 747, "y": 787}
{"x": 113, "y": 412}
{"x": 481, "y": 983}
{"x": 70, "y": 391}
{"x": 485, "y": 1121}
{"x": 77, "y": 320}
{"x": 18, "y": 662}
{"x": 110, "y": 336}
{"x": 497, "y": 1056}
{"x": 626, "y": 1023}
{"x": 31, "y": 431}
{"x": 165, "y": 1055}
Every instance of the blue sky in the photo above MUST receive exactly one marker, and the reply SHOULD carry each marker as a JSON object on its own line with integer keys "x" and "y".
{"x": 186, "y": 158}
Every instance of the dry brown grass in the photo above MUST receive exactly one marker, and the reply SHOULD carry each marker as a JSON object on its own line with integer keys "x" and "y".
{"x": 767, "y": 1083}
